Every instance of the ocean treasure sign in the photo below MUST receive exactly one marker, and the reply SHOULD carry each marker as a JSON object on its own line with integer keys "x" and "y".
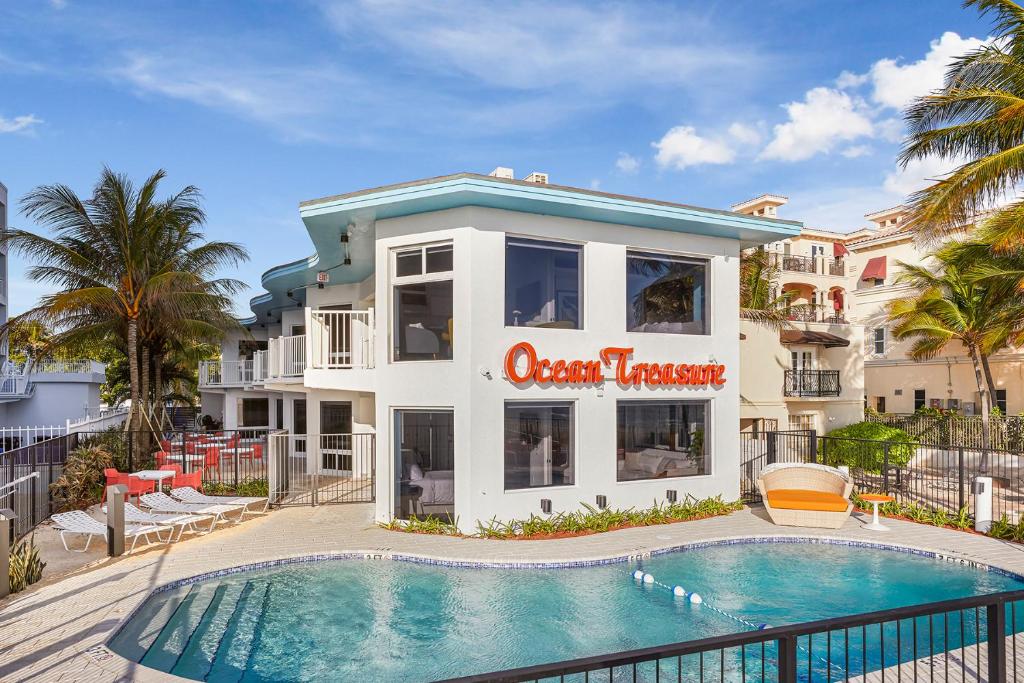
{"x": 523, "y": 365}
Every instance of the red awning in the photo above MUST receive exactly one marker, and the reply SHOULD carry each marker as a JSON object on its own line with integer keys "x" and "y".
{"x": 875, "y": 269}
{"x": 837, "y": 299}
{"x": 839, "y": 250}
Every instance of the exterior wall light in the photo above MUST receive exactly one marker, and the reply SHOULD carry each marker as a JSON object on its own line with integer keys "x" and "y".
{"x": 602, "y": 501}
{"x": 671, "y": 495}
{"x": 545, "y": 506}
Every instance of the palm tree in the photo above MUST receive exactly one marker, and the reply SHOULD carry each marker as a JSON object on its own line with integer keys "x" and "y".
{"x": 119, "y": 260}
{"x": 952, "y": 305}
{"x": 976, "y": 122}
{"x": 759, "y": 298}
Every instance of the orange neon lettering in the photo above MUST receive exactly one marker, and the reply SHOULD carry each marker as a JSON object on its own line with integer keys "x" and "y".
{"x": 510, "y": 362}
{"x": 558, "y": 375}
{"x": 539, "y": 376}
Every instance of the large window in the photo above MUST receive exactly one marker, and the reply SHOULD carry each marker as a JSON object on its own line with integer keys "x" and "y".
{"x": 255, "y": 412}
{"x": 666, "y": 294}
{"x": 543, "y": 284}
{"x": 878, "y": 341}
{"x": 539, "y": 445}
{"x": 660, "y": 439}
{"x": 424, "y": 324}
{"x": 424, "y": 463}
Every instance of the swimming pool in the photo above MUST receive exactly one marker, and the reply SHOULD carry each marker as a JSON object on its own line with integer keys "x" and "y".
{"x": 383, "y": 621}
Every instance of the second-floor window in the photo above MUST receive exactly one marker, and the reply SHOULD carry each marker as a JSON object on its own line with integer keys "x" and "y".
{"x": 543, "y": 284}
{"x": 666, "y": 293}
{"x": 423, "y": 321}
{"x": 878, "y": 341}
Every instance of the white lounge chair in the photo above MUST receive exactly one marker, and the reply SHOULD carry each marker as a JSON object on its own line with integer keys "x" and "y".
{"x": 187, "y": 494}
{"x": 79, "y": 522}
{"x": 161, "y": 502}
{"x": 137, "y": 516}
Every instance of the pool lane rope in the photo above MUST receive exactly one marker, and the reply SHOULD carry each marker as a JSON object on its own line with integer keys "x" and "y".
{"x": 694, "y": 597}
{"x": 646, "y": 578}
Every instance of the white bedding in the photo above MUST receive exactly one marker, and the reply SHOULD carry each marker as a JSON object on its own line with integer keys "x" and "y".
{"x": 438, "y": 487}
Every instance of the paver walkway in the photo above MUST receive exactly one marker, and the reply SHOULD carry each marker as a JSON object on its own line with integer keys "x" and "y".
{"x": 56, "y": 632}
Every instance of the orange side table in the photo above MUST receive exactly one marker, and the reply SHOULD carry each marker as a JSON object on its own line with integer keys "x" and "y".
{"x": 876, "y": 499}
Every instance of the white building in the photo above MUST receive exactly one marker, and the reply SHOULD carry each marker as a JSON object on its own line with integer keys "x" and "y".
{"x": 513, "y": 346}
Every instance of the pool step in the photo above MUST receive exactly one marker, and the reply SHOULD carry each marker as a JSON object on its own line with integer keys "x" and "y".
{"x": 167, "y": 647}
{"x": 191, "y": 661}
{"x": 138, "y": 635}
{"x": 231, "y": 655}
{"x": 249, "y": 673}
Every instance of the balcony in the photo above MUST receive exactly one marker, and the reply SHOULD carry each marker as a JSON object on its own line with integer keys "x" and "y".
{"x": 286, "y": 357}
{"x": 225, "y": 373}
{"x": 811, "y": 383}
{"x": 810, "y": 313}
{"x": 794, "y": 263}
{"x": 340, "y": 339}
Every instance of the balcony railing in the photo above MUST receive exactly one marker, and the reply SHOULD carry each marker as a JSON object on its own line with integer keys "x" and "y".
{"x": 812, "y": 383}
{"x": 811, "y": 313}
{"x": 214, "y": 373}
{"x": 286, "y": 356}
{"x": 796, "y": 263}
{"x": 835, "y": 266}
{"x": 341, "y": 339}
{"x": 259, "y": 366}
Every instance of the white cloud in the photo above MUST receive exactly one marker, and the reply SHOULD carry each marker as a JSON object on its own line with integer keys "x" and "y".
{"x": 627, "y": 163}
{"x": 19, "y": 124}
{"x": 682, "y": 146}
{"x": 856, "y": 151}
{"x": 748, "y": 135}
{"x": 595, "y": 184}
{"x": 824, "y": 118}
{"x": 919, "y": 174}
{"x": 895, "y": 84}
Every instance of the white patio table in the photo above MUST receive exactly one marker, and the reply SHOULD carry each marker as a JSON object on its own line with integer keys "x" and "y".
{"x": 154, "y": 475}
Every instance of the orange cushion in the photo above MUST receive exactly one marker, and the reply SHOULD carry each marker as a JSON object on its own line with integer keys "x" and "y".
{"x": 802, "y": 499}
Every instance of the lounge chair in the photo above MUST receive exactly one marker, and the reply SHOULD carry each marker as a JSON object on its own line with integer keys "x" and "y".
{"x": 187, "y": 494}
{"x": 137, "y": 516}
{"x": 161, "y": 502}
{"x": 804, "y": 494}
{"x": 79, "y": 522}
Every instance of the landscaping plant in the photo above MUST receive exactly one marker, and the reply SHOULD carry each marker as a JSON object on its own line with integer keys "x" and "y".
{"x": 81, "y": 483}
{"x": 26, "y": 567}
{"x": 860, "y": 445}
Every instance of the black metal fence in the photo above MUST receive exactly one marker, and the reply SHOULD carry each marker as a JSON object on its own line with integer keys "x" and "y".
{"x": 939, "y": 477}
{"x": 25, "y": 477}
{"x": 954, "y": 640}
{"x": 1005, "y": 432}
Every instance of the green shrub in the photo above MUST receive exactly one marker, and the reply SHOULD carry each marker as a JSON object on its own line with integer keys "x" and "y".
{"x": 82, "y": 482}
{"x": 251, "y": 488}
{"x": 868, "y": 452}
{"x": 113, "y": 440}
{"x": 26, "y": 567}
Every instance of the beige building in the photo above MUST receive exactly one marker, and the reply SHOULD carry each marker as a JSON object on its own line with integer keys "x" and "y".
{"x": 844, "y": 283}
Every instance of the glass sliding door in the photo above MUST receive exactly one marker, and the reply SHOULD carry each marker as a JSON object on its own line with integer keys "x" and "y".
{"x": 424, "y": 452}
{"x": 539, "y": 444}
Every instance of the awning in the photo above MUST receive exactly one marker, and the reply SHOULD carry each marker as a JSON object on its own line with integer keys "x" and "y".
{"x": 837, "y": 299}
{"x": 809, "y": 337}
{"x": 875, "y": 269}
{"x": 839, "y": 250}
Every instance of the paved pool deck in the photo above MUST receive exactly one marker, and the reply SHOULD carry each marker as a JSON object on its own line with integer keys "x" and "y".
{"x": 57, "y": 630}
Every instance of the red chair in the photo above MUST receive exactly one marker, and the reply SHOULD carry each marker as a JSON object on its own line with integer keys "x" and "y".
{"x": 137, "y": 487}
{"x": 161, "y": 459}
{"x": 165, "y": 445}
{"x": 172, "y": 468}
{"x": 211, "y": 460}
{"x": 193, "y": 479}
{"x": 257, "y": 451}
{"x": 113, "y": 477}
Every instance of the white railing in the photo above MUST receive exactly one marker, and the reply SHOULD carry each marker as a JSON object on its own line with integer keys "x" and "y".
{"x": 57, "y": 367}
{"x": 15, "y": 384}
{"x": 340, "y": 339}
{"x": 98, "y": 420}
{"x": 259, "y": 366}
{"x": 214, "y": 373}
{"x": 286, "y": 356}
{"x": 16, "y": 437}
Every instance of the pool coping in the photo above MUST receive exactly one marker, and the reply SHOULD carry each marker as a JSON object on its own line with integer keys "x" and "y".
{"x": 616, "y": 558}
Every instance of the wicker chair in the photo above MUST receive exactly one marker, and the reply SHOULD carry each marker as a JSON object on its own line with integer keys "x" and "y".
{"x": 803, "y": 494}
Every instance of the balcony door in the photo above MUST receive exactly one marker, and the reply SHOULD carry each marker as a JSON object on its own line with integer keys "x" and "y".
{"x": 802, "y": 365}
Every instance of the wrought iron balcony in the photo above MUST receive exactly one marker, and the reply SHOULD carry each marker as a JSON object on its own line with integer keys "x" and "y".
{"x": 814, "y": 383}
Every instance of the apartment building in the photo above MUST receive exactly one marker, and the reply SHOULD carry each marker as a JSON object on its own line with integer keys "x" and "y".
{"x": 503, "y": 347}
{"x": 846, "y": 281}
{"x": 809, "y": 375}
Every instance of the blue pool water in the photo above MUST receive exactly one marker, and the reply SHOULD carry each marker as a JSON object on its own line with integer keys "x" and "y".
{"x": 400, "y": 621}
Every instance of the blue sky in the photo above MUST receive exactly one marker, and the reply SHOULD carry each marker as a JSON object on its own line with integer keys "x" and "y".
{"x": 263, "y": 105}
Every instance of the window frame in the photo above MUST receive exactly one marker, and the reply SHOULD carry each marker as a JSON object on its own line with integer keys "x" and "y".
{"x": 875, "y": 341}
{"x": 923, "y": 399}
{"x": 709, "y": 438}
{"x": 701, "y": 259}
{"x": 581, "y": 298}
{"x": 997, "y": 401}
{"x": 574, "y": 431}
{"x": 395, "y": 281}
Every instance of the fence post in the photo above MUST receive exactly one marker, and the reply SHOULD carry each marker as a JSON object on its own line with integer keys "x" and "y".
{"x": 885, "y": 467}
{"x": 34, "y": 460}
{"x": 960, "y": 479}
{"x": 787, "y": 658}
{"x": 771, "y": 447}
{"x": 5, "y": 551}
{"x": 997, "y": 641}
{"x": 814, "y": 446}
{"x": 115, "y": 519}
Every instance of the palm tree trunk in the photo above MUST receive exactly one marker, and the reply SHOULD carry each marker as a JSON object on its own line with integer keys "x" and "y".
{"x": 145, "y": 364}
{"x": 988, "y": 378}
{"x": 133, "y": 373}
{"x": 986, "y": 406}
{"x": 158, "y": 388}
